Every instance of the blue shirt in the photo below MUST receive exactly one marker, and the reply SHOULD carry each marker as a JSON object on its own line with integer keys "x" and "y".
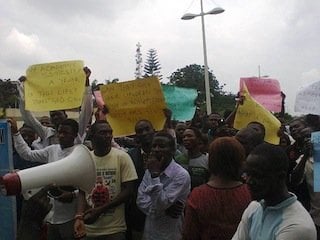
{"x": 155, "y": 195}
{"x": 286, "y": 220}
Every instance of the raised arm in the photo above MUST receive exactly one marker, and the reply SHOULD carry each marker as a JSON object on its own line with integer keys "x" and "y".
{"x": 87, "y": 105}
{"x": 230, "y": 119}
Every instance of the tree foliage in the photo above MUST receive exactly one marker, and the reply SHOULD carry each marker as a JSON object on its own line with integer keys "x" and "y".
{"x": 94, "y": 85}
{"x": 192, "y": 76}
{"x": 115, "y": 80}
{"x": 152, "y": 66}
{"x": 138, "y": 72}
{"x": 8, "y": 94}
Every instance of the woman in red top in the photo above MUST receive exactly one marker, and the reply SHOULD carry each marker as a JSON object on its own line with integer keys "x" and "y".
{"x": 214, "y": 209}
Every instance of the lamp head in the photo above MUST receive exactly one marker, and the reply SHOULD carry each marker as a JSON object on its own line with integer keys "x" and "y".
{"x": 189, "y": 16}
{"x": 216, "y": 10}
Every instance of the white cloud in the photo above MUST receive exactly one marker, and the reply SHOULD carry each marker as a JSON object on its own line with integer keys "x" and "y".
{"x": 26, "y": 44}
{"x": 19, "y": 51}
{"x": 310, "y": 76}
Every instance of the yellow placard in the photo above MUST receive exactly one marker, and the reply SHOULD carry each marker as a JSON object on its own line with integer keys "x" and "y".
{"x": 131, "y": 101}
{"x": 54, "y": 86}
{"x": 251, "y": 111}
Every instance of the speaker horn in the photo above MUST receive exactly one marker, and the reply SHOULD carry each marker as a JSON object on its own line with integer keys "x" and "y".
{"x": 78, "y": 169}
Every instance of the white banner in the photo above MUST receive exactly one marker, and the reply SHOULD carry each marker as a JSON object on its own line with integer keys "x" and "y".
{"x": 308, "y": 99}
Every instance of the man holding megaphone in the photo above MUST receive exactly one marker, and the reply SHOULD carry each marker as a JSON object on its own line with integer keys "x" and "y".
{"x": 103, "y": 208}
{"x": 64, "y": 199}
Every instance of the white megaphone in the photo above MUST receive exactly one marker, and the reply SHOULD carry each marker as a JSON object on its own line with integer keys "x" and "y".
{"x": 78, "y": 170}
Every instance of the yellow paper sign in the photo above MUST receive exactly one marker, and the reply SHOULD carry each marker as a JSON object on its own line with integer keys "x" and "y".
{"x": 54, "y": 86}
{"x": 253, "y": 111}
{"x": 131, "y": 101}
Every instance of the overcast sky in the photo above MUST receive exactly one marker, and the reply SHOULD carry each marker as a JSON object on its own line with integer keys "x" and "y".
{"x": 283, "y": 37}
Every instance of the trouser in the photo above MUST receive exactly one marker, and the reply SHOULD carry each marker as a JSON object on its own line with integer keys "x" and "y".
{"x": 133, "y": 234}
{"x": 318, "y": 232}
{"x": 62, "y": 231}
{"x": 115, "y": 236}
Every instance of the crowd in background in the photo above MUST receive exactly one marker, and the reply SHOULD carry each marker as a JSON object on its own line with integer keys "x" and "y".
{"x": 198, "y": 179}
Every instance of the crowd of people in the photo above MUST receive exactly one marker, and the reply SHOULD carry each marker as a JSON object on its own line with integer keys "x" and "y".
{"x": 199, "y": 179}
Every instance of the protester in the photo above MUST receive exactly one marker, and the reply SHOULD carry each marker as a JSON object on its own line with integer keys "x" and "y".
{"x": 33, "y": 213}
{"x": 214, "y": 121}
{"x": 204, "y": 144}
{"x": 297, "y": 152}
{"x": 101, "y": 114}
{"x": 302, "y": 175}
{"x": 259, "y": 128}
{"x": 180, "y": 127}
{"x": 164, "y": 183}
{"x": 65, "y": 202}
{"x": 105, "y": 218}
{"x": 195, "y": 161}
{"x": 275, "y": 213}
{"x": 249, "y": 138}
{"x": 225, "y": 131}
{"x": 313, "y": 121}
{"x": 134, "y": 216}
{"x": 168, "y": 126}
{"x": 144, "y": 135}
{"x": 198, "y": 120}
{"x": 29, "y": 136}
{"x": 214, "y": 209}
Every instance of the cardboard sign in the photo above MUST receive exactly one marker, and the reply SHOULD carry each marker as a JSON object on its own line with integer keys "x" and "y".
{"x": 180, "y": 101}
{"x": 251, "y": 111}
{"x": 265, "y": 91}
{"x": 308, "y": 99}
{"x": 54, "y": 86}
{"x": 129, "y": 102}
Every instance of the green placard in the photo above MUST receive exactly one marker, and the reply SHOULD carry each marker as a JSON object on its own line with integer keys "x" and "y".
{"x": 180, "y": 101}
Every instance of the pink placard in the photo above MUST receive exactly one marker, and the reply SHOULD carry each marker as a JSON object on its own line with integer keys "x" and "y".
{"x": 266, "y": 91}
{"x": 99, "y": 99}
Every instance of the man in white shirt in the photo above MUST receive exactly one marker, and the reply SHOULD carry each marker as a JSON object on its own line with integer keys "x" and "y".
{"x": 164, "y": 183}
{"x": 65, "y": 204}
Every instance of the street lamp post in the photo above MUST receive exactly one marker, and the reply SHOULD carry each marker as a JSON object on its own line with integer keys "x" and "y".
{"x": 259, "y": 73}
{"x": 189, "y": 16}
